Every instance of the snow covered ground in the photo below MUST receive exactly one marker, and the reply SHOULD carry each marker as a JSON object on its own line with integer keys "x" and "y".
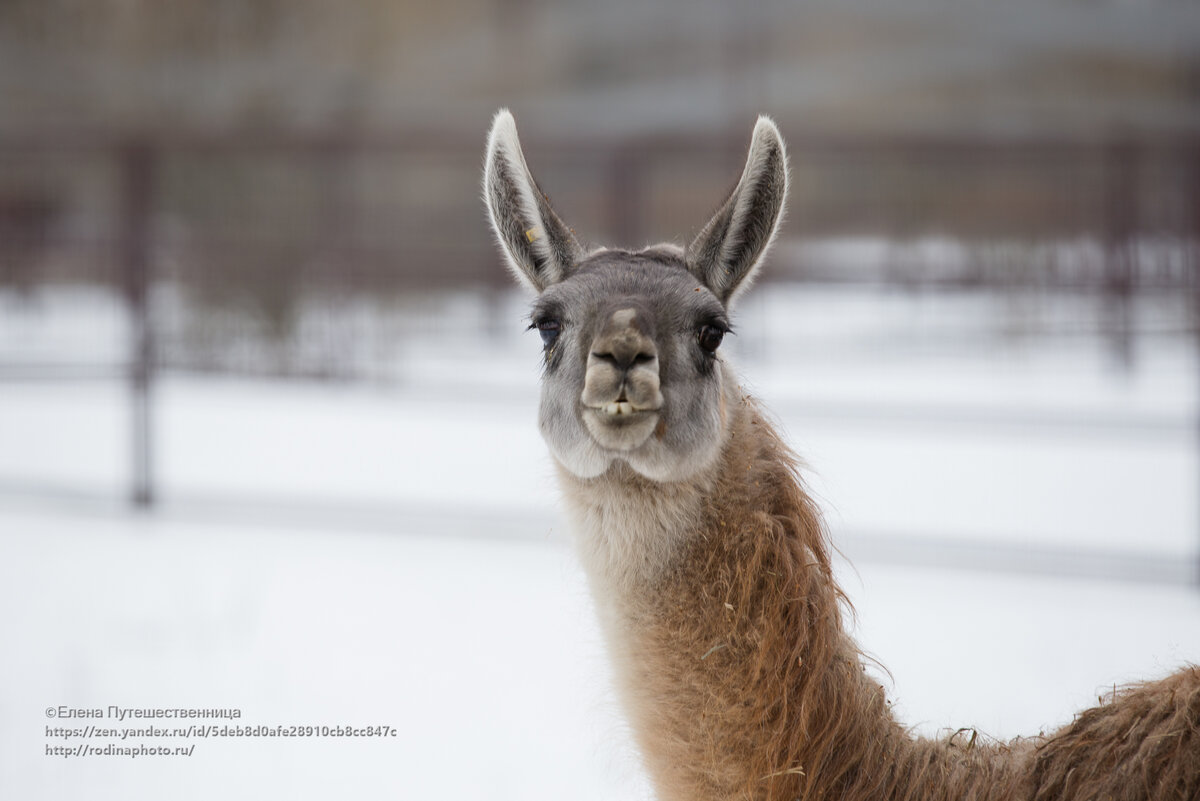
{"x": 1021, "y": 521}
{"x": 482, "y": 654}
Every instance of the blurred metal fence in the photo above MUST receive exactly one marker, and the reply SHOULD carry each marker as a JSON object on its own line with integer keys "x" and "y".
{"x": 216, "y": 241}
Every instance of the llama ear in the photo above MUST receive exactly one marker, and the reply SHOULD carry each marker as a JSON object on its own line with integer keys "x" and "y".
{"x": 727, "y": 251}
{"x": 539, "y": 248}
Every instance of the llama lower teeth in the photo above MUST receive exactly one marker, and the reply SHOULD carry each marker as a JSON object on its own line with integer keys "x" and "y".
{"x": 617, "y": 408}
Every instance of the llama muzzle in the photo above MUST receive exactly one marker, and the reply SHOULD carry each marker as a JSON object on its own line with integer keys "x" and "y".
{"x": 622, "y": 386}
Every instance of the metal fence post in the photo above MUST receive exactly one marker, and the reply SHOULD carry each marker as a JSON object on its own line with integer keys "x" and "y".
{"x": 1191, "y": 229}
{"x": 1120, "y": 227}
{"x": 137, "y": 175}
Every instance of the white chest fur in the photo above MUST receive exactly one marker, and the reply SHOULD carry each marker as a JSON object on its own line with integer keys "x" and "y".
{"x": 628, "y": 529}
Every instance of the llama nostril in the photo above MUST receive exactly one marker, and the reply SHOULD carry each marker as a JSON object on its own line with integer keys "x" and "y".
{"x": 624, "y": 360}
{"x": 625, "y": 339}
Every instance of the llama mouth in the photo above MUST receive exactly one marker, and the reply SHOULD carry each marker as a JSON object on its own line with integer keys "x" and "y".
{"x": 619, "y": 425}
{"x": 620, "y": 409}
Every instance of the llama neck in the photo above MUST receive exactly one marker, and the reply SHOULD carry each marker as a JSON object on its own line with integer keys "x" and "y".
{"x": 727, "y": 636}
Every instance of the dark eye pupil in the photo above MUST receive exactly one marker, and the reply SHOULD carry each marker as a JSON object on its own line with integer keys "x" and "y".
{"x": 710, "y": 337}
{"x": 549, "y": 331}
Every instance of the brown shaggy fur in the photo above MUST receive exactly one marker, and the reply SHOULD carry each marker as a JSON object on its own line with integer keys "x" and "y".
{"x": 744, "y": 684}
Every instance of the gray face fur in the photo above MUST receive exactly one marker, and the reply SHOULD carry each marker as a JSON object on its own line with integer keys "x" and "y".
{"x": 633, "y": 372}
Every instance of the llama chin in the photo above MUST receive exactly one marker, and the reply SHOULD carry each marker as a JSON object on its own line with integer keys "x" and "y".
{"x": 709, "y": 562}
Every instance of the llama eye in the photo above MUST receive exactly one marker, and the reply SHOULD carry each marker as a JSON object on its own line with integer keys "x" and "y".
{"x": 710, "y": 337}
{"x": 549, "y": 330}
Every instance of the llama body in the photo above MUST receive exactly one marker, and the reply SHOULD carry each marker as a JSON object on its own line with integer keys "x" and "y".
{"x": 708, "y": 561}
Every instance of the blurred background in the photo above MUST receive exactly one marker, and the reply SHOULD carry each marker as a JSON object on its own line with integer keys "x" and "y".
{"x": 267, "y": 406}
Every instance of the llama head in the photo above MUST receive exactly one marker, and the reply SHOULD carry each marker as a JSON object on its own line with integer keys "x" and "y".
{"x": 633, "y": 372}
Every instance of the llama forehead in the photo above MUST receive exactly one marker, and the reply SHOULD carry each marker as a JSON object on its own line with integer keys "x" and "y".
{"x": 655, "y": 281}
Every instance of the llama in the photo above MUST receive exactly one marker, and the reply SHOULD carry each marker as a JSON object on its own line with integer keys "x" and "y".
{"x": 708, "y": 562}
